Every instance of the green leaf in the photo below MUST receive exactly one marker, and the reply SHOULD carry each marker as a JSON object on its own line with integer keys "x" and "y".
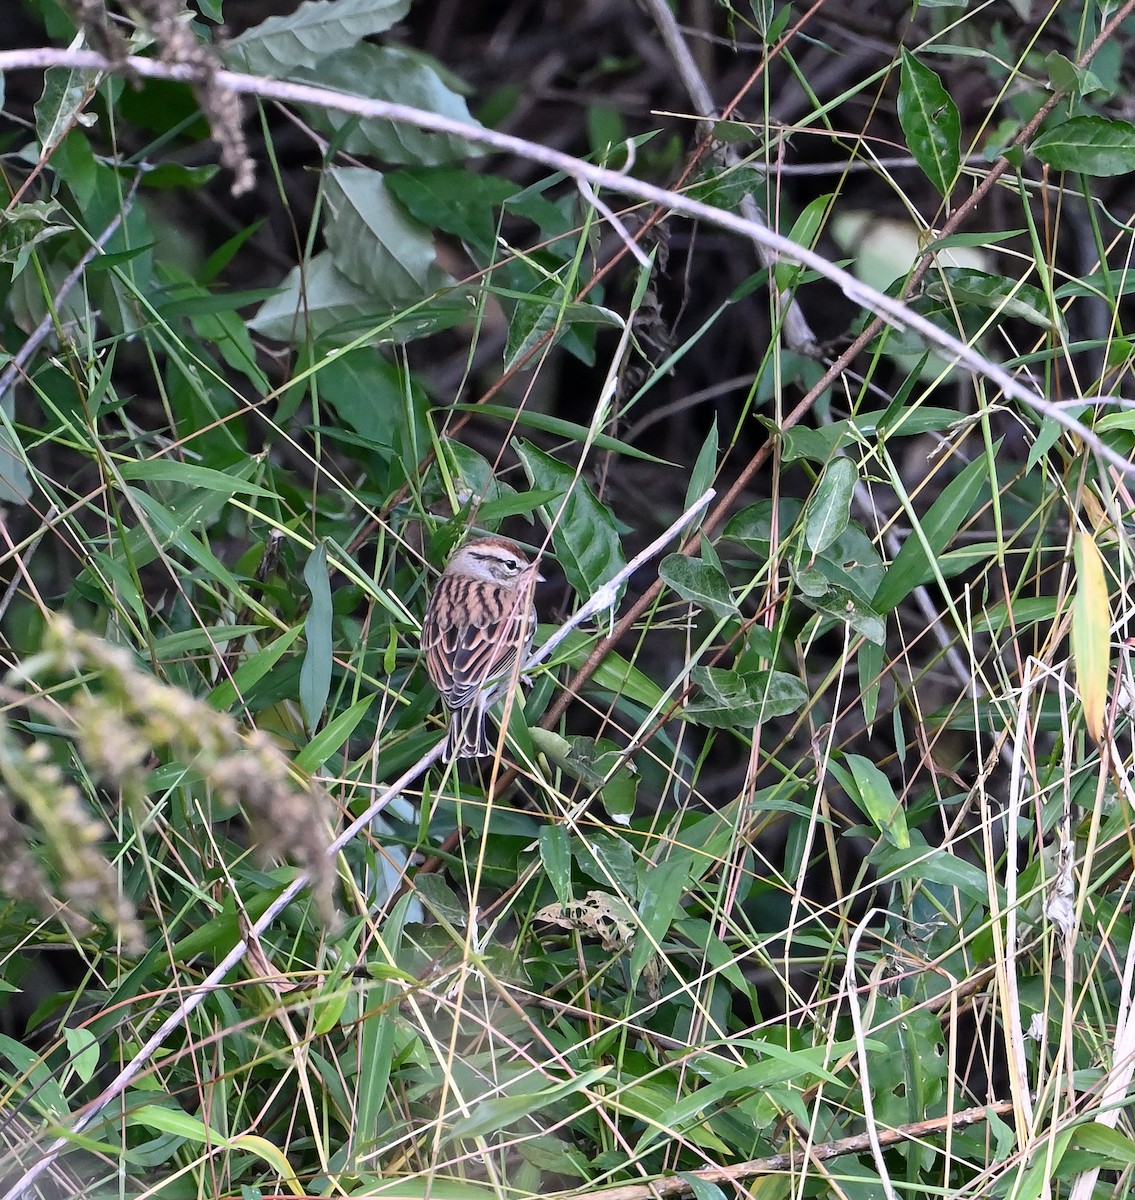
{"x": 699, "y": 582}
{"x": 25, "y": 225}
{"x": 15, "y": 482}
{"x": 614, "y": 674}
{"x": 548, "y": 306}
{"x": 1006, "y": 297}
{"x": 322, "y": 301}
{"x": 460, "y": 201}
{"x": 169, "y": 470}
{"x": 805, "y": 231}
{"x": 584, "y": 536}
{"x": 829, "y": 510}
{"x": 400, "y": 76}
{"x": 660, "y": 899}
{"x": 601, "y": 765}
{"x": 930, "y": 123}
{"x": 705, "y": 468}
{"x": 332, "y": 736}
{"x": 733, "y": 699}
{"x": 1070, "y": 79}
{"x": 250, "y": 672}
{"x": 314, "y": 32}
{"x": 315, "y": 674}
{"x": 871, "y": 679}
{"x": 872, "y": 792}
{"x": 374, "y": 243}
{"x": 555, "y": 854}
{"x": 489, "y": 1116}
{"x": 845, "y": 606}
{"x": 61, "y": 107}
{"x": 935, "y": 865}
{"x": 1091, "y": 145}
{"x": 913, "y": 565}
{"x": 83, "y": 1053}
{"x": 753, "y": 526}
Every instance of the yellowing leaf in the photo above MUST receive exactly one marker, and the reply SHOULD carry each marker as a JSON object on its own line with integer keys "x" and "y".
{"x": 1091, "y": 633}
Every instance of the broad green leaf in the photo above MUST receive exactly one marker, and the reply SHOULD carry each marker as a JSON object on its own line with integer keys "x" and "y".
{"x": 460, "y": 201}
{"x": 1099, "y": 285}
{"x": 845, "y": 606}
{"x": 583, "y": 531}
{"x": 1006, "y": 297}
{"x": 315, "y": 674}
{"x": 64, "y": 104}
{"x": 374, "y": 243}
{"x": 182, "y": 1124}
{"x": 47, "y": 1095}
{"x": 934, "y": 865}
{"x": 520, "y": 504}
{"x": 172, "y": 527}
{"x": 829, "y": 510}
{"x": 870, "y": 679}
{"x": 1067, "y": 77}
{"x": 732, "y": 700}
{"x": 555, "y": 854}
{"x": 608, "y": 859}
{"x": 315, "y": 31}
{"x": 930, "y": 123}
{"x": 875, "y": 797}
{"x": 755, "y": 526}
{"x": 598, "y": 763}
{"x": 661, "y": 891}
{"x": 547, "y": 307}
{"x": 402, "y": 77}
{"x": 1090, "y": 145}
{"x": 802, "y": 1067}
{"x": 852, "y": 564}
{"x": 322, "y": 301}
{"x": 699, "y": 582}
{"x": 702, "y": 1189}
{"x": 15, "y": 483}
{"x": 1116, "y": 1148}
{"x": 1091, "y": 633}
{"x": 369, "y": 394}
{"x": 912, "y": 565}
{"x": 83, "y": 1053}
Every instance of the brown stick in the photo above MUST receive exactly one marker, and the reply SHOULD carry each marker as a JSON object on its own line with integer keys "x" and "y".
{"x": 775, "y": 1164}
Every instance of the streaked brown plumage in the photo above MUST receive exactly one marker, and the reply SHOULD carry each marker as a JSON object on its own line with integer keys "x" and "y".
{"x": 480, "y": 617}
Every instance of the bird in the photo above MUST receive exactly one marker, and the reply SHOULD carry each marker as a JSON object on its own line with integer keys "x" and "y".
{"x": 480, "y": 619}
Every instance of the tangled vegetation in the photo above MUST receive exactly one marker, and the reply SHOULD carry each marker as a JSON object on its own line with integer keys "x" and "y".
{"x": 793, "y": 339}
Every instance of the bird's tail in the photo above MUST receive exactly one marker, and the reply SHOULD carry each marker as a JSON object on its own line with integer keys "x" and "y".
{"x": 466, "y": 737}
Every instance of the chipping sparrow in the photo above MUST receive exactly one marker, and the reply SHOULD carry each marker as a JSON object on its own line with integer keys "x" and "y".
{"x": 479, "y": 619}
